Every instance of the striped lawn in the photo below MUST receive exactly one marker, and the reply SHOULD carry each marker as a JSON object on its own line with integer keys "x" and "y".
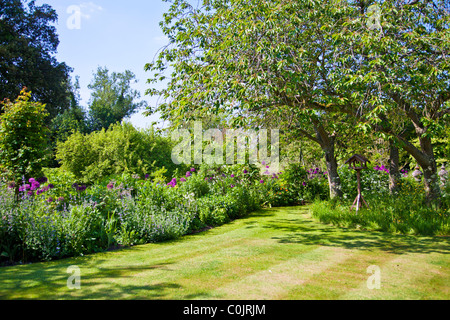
{"x": 279, "y": 253}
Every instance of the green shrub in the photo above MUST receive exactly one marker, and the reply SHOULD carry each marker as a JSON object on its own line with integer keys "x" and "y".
{"x": 23, "y": 138}
{"x": 120, "y": 149}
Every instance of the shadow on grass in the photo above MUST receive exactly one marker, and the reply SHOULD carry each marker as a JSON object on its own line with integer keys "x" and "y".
{"x": 309, "y": 232}
{"x": 95, "y": 280}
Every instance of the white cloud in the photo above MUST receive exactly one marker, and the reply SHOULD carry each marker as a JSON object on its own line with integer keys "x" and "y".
{"x": 89, "y": 8}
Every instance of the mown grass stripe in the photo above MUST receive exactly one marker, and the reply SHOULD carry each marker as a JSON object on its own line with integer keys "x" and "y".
{"x": 277, "y": 253}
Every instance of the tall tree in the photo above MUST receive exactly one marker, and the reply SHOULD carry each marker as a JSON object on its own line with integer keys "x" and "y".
{"x": 253, "y": 57}
{"x": 112, "y": 98}
{"x": 403, "y": 75}
{"x": 388, "y": 69}
{"x": 28, "y": 42}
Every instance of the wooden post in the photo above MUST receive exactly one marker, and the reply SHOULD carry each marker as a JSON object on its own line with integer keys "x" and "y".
{"x": 359, "y": 198}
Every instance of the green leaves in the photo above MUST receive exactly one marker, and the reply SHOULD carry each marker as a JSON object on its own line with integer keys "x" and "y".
{"x": 23, "y": 138}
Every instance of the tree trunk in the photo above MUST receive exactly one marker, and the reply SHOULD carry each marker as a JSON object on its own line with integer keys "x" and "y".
{"x": 431, "y": 181}
{"x": 425, "y": 159}
{"x": 334, "y": 181}
{"x": 394, "y": 173}
{"x": 327, "y": 143}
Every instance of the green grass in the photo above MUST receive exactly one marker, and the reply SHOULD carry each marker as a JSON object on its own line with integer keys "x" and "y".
{"x": 279, "y": 253}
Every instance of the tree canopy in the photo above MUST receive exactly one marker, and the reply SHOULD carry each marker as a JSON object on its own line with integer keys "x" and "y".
{"x": 384, "y": 64}
{"x": 28, "y": 42}
{"x": 112, "y": 98}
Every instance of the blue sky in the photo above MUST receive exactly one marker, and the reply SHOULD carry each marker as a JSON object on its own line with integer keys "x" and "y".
{"x": 120, "y": 35}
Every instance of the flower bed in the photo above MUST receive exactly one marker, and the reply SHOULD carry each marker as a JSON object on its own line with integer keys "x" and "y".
{"x": 57, "y": 217}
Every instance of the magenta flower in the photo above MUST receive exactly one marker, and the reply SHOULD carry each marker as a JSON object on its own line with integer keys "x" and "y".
{"x": 34, "y": 185}
{"x": 183, "y": 180}
{"x": 232, "y": 176}
{"x": 172, "y": 183}
{"x": 261, "y": 181}
{"x": 192, "y": 169}
{"x": 110, "y": 186}
{"x": 245, "y": 171}
{"x": 188, "y": 174}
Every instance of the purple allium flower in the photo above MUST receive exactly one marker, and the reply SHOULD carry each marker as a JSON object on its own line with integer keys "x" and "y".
{"x": 267, "y": 167}
{"x": 245, "y": 171}
{"x": 60, "y": 199}
{"x": 147, "y": 176}
{"x": 192, "y": 169}
{"x": 263, "y": 163}
{"x": 50, "y": 200}
{"x": 188, "y": 174}
{"x": 27, "y": 187}
{"x": 50, "y": 186}
{"x": 30, "y": 193}
{"x": 75, "y": 185}
{"x": 110, "y": 186}
{"x": 232, "y": 176}
{"x": 34, "y": 186}
{"x": 304, "y": 184}
{"x": 232, "y": 186}
{"x": 11, "y": 185}
{"x": 261, "y": 181}
{"x": 210, "y": 178}
{"x": 32, "y": 180}
{"x": 42, "y": 180}
{"x": 172, "y": 183}
{"x": 183, "y": 180}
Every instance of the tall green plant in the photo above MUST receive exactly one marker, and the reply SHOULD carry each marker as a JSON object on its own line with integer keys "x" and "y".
{"x": 23, "y": 138}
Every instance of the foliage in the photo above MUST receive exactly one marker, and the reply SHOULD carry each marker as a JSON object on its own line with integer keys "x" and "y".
{"x": 120, "y": 149}
{"x": 403, "y": 212}
{"x": 309, "y": 63}
{"x": 112, "y": 99}
{"x": 28, "y": 42}
{"x": 23, "y": 138}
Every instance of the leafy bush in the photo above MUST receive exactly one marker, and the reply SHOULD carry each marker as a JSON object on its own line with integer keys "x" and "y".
{"x": 120, "y": 149}
{"x": 23, "y": 138}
